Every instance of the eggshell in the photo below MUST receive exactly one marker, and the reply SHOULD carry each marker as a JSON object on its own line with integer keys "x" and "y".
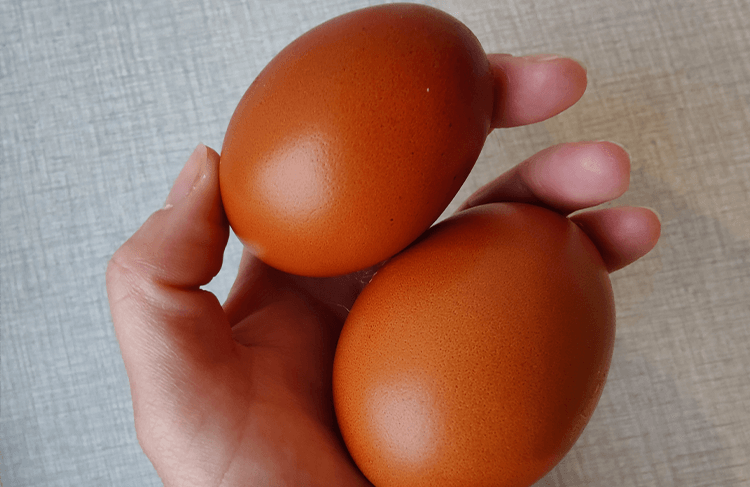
{"x": 476, "y": 356}
{"x": 355, "y": 137}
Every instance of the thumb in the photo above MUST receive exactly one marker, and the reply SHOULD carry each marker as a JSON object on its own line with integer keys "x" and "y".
{"x": 165, "y": 324}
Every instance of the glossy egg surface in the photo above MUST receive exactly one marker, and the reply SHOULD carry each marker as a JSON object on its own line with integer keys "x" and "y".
{"x": 476, "y": 356}
{"x": 355, "y": 137}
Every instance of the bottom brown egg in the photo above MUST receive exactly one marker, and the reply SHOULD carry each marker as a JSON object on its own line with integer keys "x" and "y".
{"x": 476, "y": 356}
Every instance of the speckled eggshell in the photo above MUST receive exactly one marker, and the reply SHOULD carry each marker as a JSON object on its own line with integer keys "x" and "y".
{"x": 355, "y": 137}
{"x": 476, "y": 356}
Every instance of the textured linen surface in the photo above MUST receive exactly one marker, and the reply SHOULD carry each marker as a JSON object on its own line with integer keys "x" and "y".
{"x": 101, "y": 102}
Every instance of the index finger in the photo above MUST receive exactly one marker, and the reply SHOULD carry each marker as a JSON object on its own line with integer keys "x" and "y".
{"x": 531, "y": 89}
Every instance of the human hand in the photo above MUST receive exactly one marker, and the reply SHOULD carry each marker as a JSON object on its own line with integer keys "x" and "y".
{"x": 240, "y": 393}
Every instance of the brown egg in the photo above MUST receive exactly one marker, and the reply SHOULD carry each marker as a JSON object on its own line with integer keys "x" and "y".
{"x": 476, "y": 356}
{"x": 355, "y": 137}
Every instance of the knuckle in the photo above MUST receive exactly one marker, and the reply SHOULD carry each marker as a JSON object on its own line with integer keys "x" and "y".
{"x": 120, "y": 268}
{"x": 127, "y": 276}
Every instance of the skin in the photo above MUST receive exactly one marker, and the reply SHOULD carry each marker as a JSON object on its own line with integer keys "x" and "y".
{"x": 240, "y": 393}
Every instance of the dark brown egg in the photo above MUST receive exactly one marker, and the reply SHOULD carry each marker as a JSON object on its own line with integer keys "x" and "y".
{"x": 476, "y": 356}
{"x": 355, "y": 137}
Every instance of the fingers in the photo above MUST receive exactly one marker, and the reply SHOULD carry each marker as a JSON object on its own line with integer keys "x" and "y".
{"x": 567, "y": 177}
{"x": 622, "y": 235}
{"x": 153, "y": 280}
{"x": 571, "y": 177}
{"x": 564, "y": 178}
{"x": 531, "y": 89}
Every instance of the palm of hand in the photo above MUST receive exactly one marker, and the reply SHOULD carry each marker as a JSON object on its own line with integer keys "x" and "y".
{"x": 240, "y": 394}
{"x": 286, "y": 344}
{"x": 263, "y": 413}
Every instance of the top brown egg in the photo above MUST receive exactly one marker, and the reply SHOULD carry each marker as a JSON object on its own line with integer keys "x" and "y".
{"x": 355, "y": 137}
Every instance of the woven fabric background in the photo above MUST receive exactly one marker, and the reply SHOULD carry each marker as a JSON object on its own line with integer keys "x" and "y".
{"x": 102, "y": 101}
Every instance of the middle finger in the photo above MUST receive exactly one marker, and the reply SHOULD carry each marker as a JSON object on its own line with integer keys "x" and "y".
{"x": 565, "y": 178}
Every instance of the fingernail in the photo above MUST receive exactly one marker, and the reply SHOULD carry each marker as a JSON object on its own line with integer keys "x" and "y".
{"x": 188, "y": 177}
{"x": 545, "y": 57}
{"x": 614, "y": 143}
{"x": 540, "y": 58}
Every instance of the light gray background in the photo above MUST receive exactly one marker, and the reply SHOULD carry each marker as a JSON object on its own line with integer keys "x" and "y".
{"x": 101, "y": 102}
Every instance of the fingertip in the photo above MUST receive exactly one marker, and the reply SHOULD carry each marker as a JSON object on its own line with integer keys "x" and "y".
{"x": 614, "y": 163}
{"x": 212, "y": 156}
{"x": 648, "y": 226}
{"x": 211, "y": 151}
{"x": 182, "y": 244}
{"x": 654, "y": 215}
{"x": 641, "y": 224}
{"x": 639, "y": 232}
{"x": 202, "y": 165}
{"x": 622, "y": 235}
{"x": 188, "y": 178}
{"x": 205, "y": 196}
{"x": 572, "y": 176}
{"x": 531, "y": 89}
